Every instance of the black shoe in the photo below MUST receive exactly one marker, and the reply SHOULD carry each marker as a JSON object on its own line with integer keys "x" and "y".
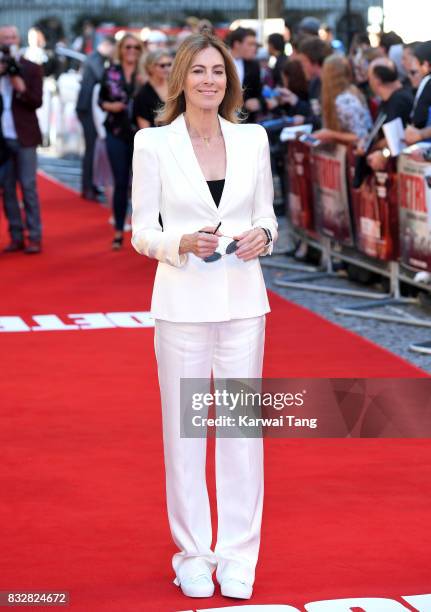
{"x": 33, "y": 247}
{"x": 117, "y": 243}
{"x": 89, "y": 194}
{"x": 14, "y": 245}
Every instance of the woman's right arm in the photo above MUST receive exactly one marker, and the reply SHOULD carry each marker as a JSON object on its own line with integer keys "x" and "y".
{"x": 148, "y": 238}
{"x": 105, "y": 101}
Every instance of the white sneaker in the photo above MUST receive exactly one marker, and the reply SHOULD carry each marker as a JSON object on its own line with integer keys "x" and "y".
{"x": 232, "y": 587}
{"x": 199, "y": 585}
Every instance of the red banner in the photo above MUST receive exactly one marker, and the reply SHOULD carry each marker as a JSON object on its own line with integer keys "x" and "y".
{"x": 415, "y": 212}
{"x": 331, "y": 199}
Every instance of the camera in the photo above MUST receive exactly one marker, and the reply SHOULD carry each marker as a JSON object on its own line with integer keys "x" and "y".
{"x": 8, "y": 64}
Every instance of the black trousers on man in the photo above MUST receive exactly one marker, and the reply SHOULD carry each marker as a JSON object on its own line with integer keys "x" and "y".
{"x": 90, "y": 135}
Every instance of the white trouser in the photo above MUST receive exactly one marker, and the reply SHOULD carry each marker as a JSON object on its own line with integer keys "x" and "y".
{"x": 230, "y": 349}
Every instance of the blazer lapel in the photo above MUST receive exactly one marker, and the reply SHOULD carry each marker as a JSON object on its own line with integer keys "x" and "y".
{"x": 234, "y": 157}
{"x": 182, "y": 149}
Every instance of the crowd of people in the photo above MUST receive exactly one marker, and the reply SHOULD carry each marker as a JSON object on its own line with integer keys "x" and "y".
{"x": 306, "y": 77}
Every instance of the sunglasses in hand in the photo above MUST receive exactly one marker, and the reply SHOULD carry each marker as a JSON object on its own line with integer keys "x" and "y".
{"x": 226, "y": 246}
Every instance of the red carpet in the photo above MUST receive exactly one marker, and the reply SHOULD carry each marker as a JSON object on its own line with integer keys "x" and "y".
{"x": 82, "y": 480}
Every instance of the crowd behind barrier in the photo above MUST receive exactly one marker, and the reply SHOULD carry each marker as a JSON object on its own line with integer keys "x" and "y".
{"x": 302, "y": 79}
{"x": 388, "y": 218}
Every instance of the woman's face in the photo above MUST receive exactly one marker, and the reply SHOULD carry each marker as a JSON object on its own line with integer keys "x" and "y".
{"x": 205, "y": 83}
{"x": 130, "y": 51}
{"x": 161, "y": 68}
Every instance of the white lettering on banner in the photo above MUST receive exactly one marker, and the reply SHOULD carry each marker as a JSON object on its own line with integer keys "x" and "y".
{"x": 368, "y": 604}
{"x": 257, "y": 608}
{"x": 82, "y": 321}
{"x": 95, "y": 320}
{"x": 13, "y": 324}
{"x": 50, "y": 323}
{"x": 421, "y": 603}
{"x": 131, "y": 319}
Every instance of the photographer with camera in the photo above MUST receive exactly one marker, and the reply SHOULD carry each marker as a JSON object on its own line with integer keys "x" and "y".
{"x": 21, "y": 91}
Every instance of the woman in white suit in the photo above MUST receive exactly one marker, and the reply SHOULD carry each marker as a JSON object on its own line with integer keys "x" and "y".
{"x": 201, "y": 171}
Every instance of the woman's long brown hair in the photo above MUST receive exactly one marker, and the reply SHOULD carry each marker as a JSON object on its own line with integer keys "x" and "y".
{"x": 176, "y": 104}
{"x": 336, "y": 79}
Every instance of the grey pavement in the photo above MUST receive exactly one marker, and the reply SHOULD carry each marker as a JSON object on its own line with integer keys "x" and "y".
{"x": 396, "y": 337}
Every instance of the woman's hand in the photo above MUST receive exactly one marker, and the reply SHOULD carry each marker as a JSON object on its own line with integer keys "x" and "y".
{"x": 324, "y": 135}
{"x": 114, "y": 107}
{"x": 287, "y": 96}
{"x": 251, "y": 244}
{"x": 252, "y": 105}
{"x": 412, "y": 135}
{"x": 376, "y": 160}
{"x": 298, "y": 119}
{"x": 271, "y": 103}
{"x": 202, "y": 243}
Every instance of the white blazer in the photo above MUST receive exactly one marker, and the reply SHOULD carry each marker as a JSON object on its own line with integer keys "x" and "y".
{"x": 167, "y": 179}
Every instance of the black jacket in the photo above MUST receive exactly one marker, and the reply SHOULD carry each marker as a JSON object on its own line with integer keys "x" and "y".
{"x": 421, "y": 107}
{"x": 93, "y": 72}
{"x": 252, "y": 85}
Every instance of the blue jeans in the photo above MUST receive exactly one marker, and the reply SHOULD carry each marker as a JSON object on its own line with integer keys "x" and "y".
{"x": 22, "y": 167}
{"x": 120, "y": 156}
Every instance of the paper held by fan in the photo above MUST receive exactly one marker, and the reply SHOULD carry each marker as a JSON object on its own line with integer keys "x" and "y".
{"x": 394, "y": 134}
{"x": 292, "y": 132}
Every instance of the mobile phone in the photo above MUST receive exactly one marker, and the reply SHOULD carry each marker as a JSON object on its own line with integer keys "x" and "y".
{"x": 310, "y": 140}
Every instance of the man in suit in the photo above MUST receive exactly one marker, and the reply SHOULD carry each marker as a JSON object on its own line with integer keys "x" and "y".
{"x": 276, "y": 50}
{"x": 93, "y": 71}
{"x": 21, "y": 90}
{"x": 243, "y": 45}
{"x": 312, "y": 53}
{"x": 422, "y": 103}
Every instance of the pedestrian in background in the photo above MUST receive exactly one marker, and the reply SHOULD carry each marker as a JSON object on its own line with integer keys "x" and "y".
{"x": 21, "y": 91}
{"x": 243, "y": 46}
{"x": 153, "y": 94}
{"x": 117, "y": 90}
{"x": 94, "y": 67}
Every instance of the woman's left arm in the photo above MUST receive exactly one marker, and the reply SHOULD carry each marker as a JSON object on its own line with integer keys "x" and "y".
{"x": 263, "y": 209}
{"x": 251, "y": 243}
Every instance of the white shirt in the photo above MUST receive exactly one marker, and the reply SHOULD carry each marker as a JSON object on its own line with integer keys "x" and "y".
{"x": 7, "y": 122}
{"x": 239, "y": 63}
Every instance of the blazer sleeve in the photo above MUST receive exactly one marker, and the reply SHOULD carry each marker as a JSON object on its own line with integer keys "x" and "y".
{"x": 32, "y": 77}
{"x": 263, "y": 209}
{"x": 148, "y": 238}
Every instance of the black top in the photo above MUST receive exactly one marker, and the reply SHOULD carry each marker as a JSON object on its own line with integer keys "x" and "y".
{"x": 147, "y": 102}
{"x": 115, "y": 88}
{"x": 216, "y": 188}
{"x": 398, "y": 105}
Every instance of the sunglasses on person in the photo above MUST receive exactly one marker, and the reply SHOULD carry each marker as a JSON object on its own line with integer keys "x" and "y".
{"x": 226, "y": 246}
{"x": 413, "y": 72}
{"x": 166, "y": 65}
{"x": 135, "y": 47}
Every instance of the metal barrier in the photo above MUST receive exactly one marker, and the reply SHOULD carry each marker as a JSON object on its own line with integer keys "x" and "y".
{"x": 384, "y": 227}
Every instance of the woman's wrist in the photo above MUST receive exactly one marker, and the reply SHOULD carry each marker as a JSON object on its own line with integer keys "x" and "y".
{"x": 184, "y": 246}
